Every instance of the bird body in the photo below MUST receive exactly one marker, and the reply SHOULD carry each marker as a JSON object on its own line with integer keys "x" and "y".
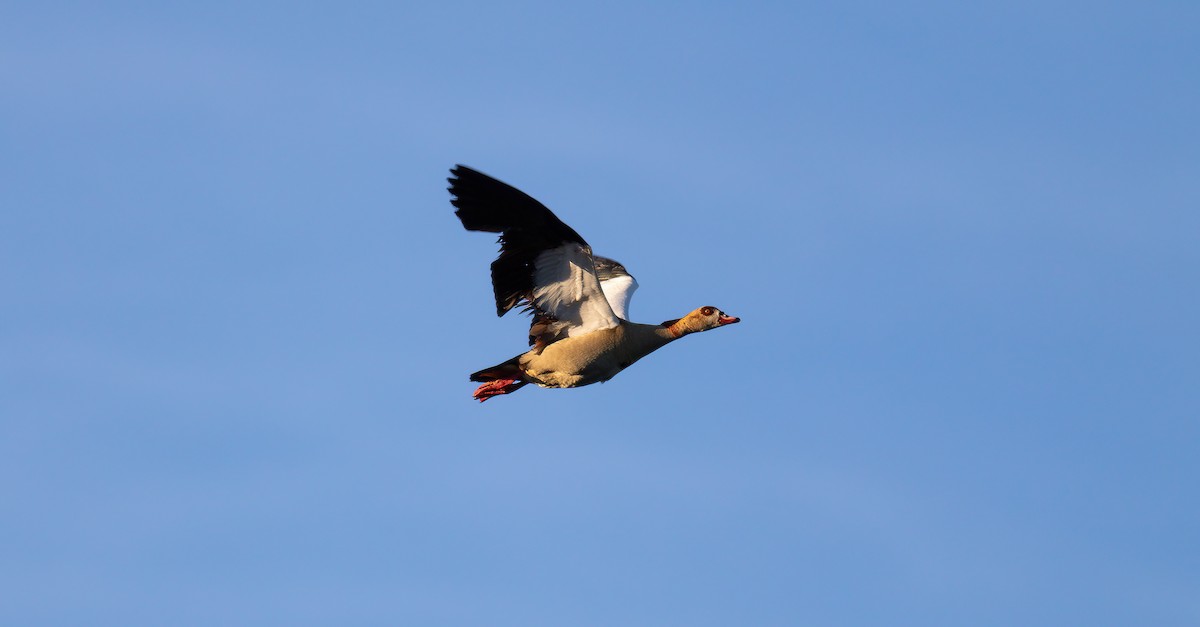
{"x": 580, "y": 333}
{"x": 595, "y": 357}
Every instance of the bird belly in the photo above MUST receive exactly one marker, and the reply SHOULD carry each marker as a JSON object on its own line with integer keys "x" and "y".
{"x": 575, "y": 362}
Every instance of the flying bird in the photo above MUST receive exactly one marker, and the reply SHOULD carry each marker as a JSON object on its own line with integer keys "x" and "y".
{"x": 580, "y": 302}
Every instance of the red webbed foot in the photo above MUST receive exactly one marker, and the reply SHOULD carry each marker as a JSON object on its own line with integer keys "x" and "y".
{"x": 496, "y": 388}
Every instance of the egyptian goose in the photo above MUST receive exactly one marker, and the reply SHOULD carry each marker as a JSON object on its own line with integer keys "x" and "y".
{"x": 580, "y": 333}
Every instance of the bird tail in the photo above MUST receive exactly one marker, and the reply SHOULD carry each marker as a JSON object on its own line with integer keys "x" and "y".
{"x": 509, "y": 370}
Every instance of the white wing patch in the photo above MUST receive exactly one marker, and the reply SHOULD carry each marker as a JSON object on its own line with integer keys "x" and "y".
{"x": 619, "y": 290}
{"x": 565, "y": 286}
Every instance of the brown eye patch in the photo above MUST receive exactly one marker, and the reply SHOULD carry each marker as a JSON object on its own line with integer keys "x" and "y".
{"x": 707, "y": 311}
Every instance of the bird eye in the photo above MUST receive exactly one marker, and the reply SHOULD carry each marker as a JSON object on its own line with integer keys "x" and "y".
{"x": 707, "y": 311}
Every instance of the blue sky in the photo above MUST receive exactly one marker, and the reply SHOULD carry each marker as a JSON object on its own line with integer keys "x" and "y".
{"x": 238, "y": 314}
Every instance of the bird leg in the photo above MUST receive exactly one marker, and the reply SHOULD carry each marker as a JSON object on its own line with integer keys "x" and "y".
{"x": 497, "y": 387}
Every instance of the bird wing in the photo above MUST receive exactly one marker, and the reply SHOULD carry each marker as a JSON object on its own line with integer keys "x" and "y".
{"x": 617, "y": 284}
{"x": 543, "y": 262}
